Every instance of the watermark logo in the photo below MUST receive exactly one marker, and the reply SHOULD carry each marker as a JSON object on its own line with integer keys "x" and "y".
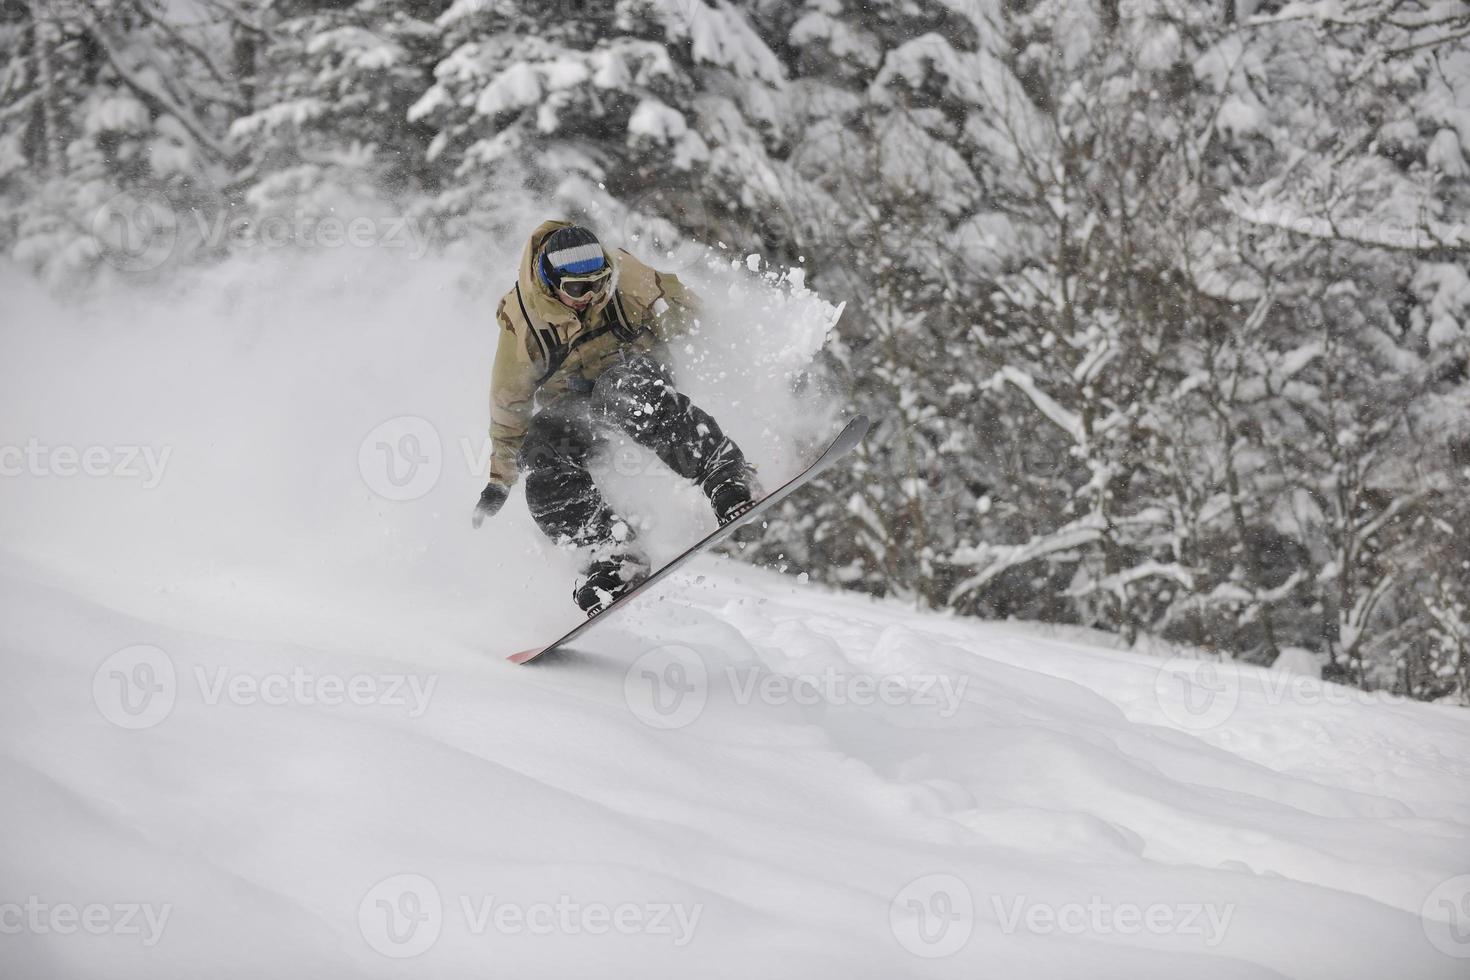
{"x": 1197, "y": 695}
{"x": 837, "y": 688}
{"x": 401, "y": 917}
{"x": 1446, "y": 917}
{"x": 302, "y": 229}
{"x": 136, "y": 687}
{"x": 140, "y": 231}
{"x": 667, "y": 687}
{"x": 304, "y": 688}
{"x": 401, "y": 459}
{"x": 404, "y": 458}
{"x": 933, "y": 916}
{"x": 40, "y": 918}
{"x": 566, "y": 916}
{"x": 136, "y": 231}
{"x": 670, "y": 686}
{"x": 44, "y": 461}
{"x": 1099, "y": 917}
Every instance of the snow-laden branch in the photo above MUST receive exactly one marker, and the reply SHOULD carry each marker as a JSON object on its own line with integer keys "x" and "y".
{"x": 1426, "y": 238}
{"x": 1390, "y": 513}
{"x": 1068, "y": 422}
{"x": 721, "y": 36}
{"x": 161, "y": 101}
{"x": 1117, "y": 583}
{"x": 995, "y": 559}
{"x": 1352, "y": 622}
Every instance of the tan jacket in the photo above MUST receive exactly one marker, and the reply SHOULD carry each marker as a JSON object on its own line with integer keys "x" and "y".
{"x": 547, "y": 350}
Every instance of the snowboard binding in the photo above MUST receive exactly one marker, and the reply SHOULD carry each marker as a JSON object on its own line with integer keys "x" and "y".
{"x": 606, "y": 579}
{"x": 732, "y": 495}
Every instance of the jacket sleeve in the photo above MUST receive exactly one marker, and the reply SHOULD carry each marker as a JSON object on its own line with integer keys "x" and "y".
{"x": 676, "y": 309}
{"x": 512, "y": 394}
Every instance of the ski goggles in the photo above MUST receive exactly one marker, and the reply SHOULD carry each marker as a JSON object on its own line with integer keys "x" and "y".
{"x": 578, "y": 288}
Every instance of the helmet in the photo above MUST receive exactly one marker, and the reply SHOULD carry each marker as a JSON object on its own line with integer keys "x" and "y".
{"x": 574, "y": 267}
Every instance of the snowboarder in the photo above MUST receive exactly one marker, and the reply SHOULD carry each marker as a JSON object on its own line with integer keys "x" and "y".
{"x": 583, "y": 349}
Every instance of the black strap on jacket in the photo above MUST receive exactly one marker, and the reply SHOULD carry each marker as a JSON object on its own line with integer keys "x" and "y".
{"x": 624, "y": 328}
{"x": 552, "y": 349}
{"x": 555, "y": 351}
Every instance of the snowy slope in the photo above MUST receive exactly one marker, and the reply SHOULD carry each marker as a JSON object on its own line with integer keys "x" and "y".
{"x": 1015, "y": 778}
{"x": 255, "y": 720}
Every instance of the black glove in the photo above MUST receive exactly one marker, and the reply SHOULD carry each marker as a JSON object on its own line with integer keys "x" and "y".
{"x": 492, "y": 498}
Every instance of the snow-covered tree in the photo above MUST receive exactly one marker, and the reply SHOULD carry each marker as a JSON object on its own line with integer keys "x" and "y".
{"x": 328, "y": 122}
{"x": 103, "y": 98}
{"x": 1161, "y": 307}
{"x": 633, "y": 112}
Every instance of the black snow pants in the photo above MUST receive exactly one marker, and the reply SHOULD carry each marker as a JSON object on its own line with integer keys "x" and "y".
{"x": 636, "y": 395}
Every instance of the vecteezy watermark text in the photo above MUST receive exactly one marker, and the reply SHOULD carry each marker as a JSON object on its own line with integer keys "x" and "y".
{"x": 138, "y": 687}
{"x": 934, "y": 916}
{"x": 139, "y": 231}
{"x": 1199, "y": 695}
{"x": 404, "y": 915}
{"x": 670, "y": 686}
{"x": 1100, "y": 917}
{"x": 403, "y": 458}
{"x": 43, "y": 918}
{"x": 305, "y": 688}
{"x": 846, "y": 689}
{"x": 40, "y": 460}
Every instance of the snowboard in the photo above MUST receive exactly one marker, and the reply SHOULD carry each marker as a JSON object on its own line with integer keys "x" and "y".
{"x": 846, "y": 441}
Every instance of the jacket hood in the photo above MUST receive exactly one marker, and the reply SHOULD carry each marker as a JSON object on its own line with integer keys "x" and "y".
{"x": 534, "y": 291}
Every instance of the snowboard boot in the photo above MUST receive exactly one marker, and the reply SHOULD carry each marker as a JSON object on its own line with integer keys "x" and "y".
{"x": 730, "y": 483}
{"x": 733, "y": 498}
{"x": 613, "y": 570}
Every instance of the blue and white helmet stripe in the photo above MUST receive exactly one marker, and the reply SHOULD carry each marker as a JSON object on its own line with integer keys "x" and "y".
{"x": 577, "y": 261}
